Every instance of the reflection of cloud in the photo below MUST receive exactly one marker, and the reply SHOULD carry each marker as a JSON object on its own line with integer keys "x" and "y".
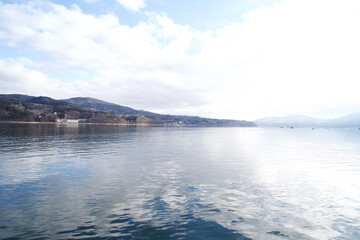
{"x": 167, "y": 181}
{"x": 33, "y": 152}
{"x": 185, "y": 225}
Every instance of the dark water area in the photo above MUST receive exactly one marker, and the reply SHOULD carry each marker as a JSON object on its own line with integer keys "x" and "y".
{"x": 113, "y": 182}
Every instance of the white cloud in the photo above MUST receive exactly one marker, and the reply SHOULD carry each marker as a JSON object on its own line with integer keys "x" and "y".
{"x": 128, "y": 65}
{"x": 133, "y": 5}
{"x": 290, "y": 58}
{"x": 298, "y": 56}
{"x": 15, "y": 77}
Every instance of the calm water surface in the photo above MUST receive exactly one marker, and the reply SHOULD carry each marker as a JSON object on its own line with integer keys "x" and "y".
{"x": 104, "y": 182}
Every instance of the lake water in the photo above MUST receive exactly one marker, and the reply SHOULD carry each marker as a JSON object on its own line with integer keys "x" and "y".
{"x": 104, "y": 182}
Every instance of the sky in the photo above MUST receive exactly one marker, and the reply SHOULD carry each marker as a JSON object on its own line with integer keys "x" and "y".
{"x": 235, "y": 59}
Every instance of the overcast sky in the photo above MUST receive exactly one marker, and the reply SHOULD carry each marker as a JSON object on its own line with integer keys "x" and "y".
{"x": 238, "y": 59}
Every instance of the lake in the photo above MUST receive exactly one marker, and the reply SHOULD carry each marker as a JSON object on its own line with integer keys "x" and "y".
{"x": 116, "y": 182}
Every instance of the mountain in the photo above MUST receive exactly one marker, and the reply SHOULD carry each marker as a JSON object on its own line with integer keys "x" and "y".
{"x": 100, "y": 105}
{"x": 289, "y": 121}
{"x": 29, "y": 108}
{"x": 44, "y": 109}
{"x": 18, "y": 98}
{"x": 351, "y": 120}
{"x": 167, "y": 119}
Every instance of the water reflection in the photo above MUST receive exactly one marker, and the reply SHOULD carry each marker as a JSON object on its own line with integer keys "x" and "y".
{"x": 95, "y": 181}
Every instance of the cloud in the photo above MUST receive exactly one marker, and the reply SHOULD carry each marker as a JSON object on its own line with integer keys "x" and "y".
{"x": 294, "y": 57}
{"x": 297, "y": 56}
{"x": 133, "y": 5}
{"x": 128, "y": 65}
{"x": 15, "y": 77}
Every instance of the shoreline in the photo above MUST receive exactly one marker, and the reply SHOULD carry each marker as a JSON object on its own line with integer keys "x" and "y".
{"x": 121, "y": 124}
{"x": 73, "y": 124}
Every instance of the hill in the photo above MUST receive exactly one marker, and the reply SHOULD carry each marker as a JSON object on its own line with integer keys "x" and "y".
{"x": 29, "y": 108}
{"x": 167, "y": 119}
{"x": 45, "y": 109}
{"x": 100, "y": 105}
{"x": 18, "y": 98}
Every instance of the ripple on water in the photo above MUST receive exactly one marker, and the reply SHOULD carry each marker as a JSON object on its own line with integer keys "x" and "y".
{"x": 154, "y": 183}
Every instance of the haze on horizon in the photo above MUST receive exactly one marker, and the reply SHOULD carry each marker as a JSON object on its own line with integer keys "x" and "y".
{"x": 223, "y": 59}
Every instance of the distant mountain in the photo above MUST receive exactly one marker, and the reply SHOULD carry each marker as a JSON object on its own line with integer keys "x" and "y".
{"x": 79, "y": 106}
{"x": 167, "y": 119}
{"x": 289, "y": 121}
{"x": 351, "y": 120}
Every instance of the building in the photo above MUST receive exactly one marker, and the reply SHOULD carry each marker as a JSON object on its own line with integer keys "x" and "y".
{"x": 68, "y": 120}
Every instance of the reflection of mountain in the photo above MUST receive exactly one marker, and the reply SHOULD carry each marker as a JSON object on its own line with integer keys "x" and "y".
{"x": 351, "y": 120}
{"x": 16, "y": 107}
